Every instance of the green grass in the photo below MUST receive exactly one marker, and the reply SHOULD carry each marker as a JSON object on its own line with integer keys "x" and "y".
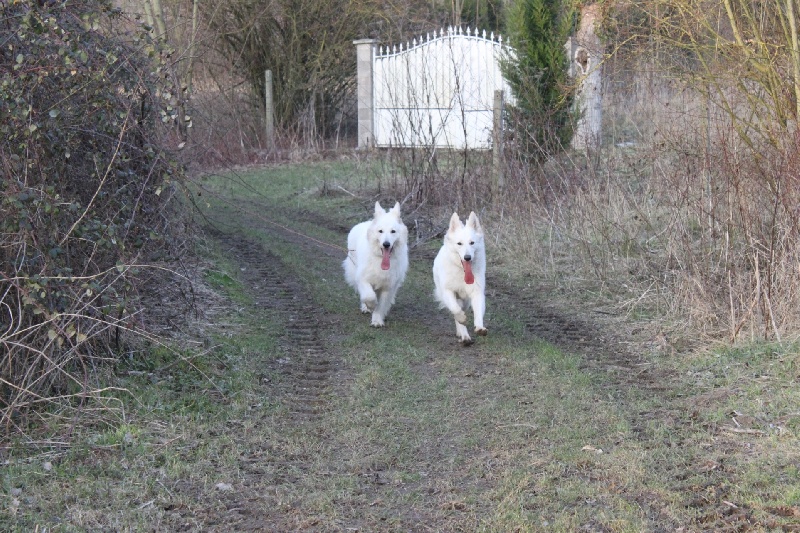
{"x": 512, "y": 434}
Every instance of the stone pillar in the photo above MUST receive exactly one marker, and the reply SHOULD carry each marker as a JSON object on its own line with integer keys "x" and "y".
{"x": 365, "y": 50}
{"x": 587, "y": 64}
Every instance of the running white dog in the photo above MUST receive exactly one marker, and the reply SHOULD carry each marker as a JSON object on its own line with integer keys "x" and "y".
{"x": 377, "y": 261}
{"x": 459, "y": 273}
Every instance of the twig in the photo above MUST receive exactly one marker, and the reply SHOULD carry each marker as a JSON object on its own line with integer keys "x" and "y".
{"x": 346, "y": 191}
{"x": 146, "y": 504}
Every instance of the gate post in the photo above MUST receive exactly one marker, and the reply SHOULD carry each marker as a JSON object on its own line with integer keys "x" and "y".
{"x": 365, "y": 50}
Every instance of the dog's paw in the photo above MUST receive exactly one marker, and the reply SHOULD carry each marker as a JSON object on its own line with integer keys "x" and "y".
{"x": 466, "y": 341}
{"x": 377, "y": 320}
{"x": 461, "y": 317}
{"x": 481, "y": 332}
{"x": 368, "y": 306}
{"x": 364, "y": 308}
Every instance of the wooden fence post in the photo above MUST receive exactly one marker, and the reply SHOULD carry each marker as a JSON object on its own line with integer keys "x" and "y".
{"x": 269, "y": 110}
{"x": 498, "y": 177}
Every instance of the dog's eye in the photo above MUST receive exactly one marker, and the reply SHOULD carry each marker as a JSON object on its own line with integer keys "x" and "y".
{"x": 472, "y": 242}
{"x": 380, "y": 231}
{"x": 460, "y": 244}
{"x": 393, "y": 231}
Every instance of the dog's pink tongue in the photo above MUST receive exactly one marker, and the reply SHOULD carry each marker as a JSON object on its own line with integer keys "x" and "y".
{"x": 385, "y": 262}
{"x": 469, "y": 279}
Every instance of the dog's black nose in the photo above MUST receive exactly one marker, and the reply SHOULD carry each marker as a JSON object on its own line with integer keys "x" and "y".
{"x": 467, "y": 257}
{"x": 386, "y": 244}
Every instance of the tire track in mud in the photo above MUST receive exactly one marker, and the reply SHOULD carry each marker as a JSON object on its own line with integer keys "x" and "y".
{"x": 306, "y": 365}
{"x": 599, "y": 350}
{"x": 300, "y": 377}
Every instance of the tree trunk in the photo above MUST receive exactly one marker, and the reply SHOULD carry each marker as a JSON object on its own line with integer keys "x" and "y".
{"x": 587, "y": 64}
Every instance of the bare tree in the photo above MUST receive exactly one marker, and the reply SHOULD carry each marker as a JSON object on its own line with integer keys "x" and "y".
{"x": 306, "y": 44}
{"x": 746, "y": 54}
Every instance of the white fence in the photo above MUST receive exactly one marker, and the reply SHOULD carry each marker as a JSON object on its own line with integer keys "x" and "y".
{"x": 436, "y": 91}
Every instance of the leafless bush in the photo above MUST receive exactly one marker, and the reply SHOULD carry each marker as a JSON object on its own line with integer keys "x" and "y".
{"x": 458, "y": 179}
{"x": 689, "y": 222}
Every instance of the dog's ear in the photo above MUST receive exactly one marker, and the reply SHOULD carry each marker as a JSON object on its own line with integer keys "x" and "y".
{"x": 396, "y": 209}
{"x": 455, "y": 223}
{"x": 378, "y": 210}
{"x": 474, "y": 223}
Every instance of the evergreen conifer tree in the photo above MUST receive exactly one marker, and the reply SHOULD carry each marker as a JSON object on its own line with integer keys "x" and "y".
{"x": 539, "y": 77}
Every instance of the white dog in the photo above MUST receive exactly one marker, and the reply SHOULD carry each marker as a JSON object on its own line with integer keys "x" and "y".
{"x": 459, "y": 273}
{"x": 377, "y": 261}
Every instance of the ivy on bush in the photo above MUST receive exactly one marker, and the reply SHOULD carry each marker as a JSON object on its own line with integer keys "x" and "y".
{"x": 84, "y": 193}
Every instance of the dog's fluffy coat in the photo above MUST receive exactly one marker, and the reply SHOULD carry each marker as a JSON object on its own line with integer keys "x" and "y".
{"x": 459, "y": 274}
{"x": 377, "y": 261}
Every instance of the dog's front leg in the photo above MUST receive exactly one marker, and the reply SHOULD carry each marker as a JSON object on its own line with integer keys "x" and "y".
{"x": 367, "y": 296}
{"x": 385, "y": 299}
{"x": 452, "y": 304}
{"x": 463, "y": 334}
{"x": 478, "y": 308}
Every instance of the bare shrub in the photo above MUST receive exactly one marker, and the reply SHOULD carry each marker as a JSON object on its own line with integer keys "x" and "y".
{"x": 227, "y": 126}
{"x": 689, "y": 223}
{"x": 85, "y": 216}
{"x": 458, "y": 179}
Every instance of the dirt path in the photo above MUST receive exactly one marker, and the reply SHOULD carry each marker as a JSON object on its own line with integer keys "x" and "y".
{"x": 310, "y": 371}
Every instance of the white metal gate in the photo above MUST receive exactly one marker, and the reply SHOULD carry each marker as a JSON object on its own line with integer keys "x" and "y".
{"x": 438, "y": 91}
